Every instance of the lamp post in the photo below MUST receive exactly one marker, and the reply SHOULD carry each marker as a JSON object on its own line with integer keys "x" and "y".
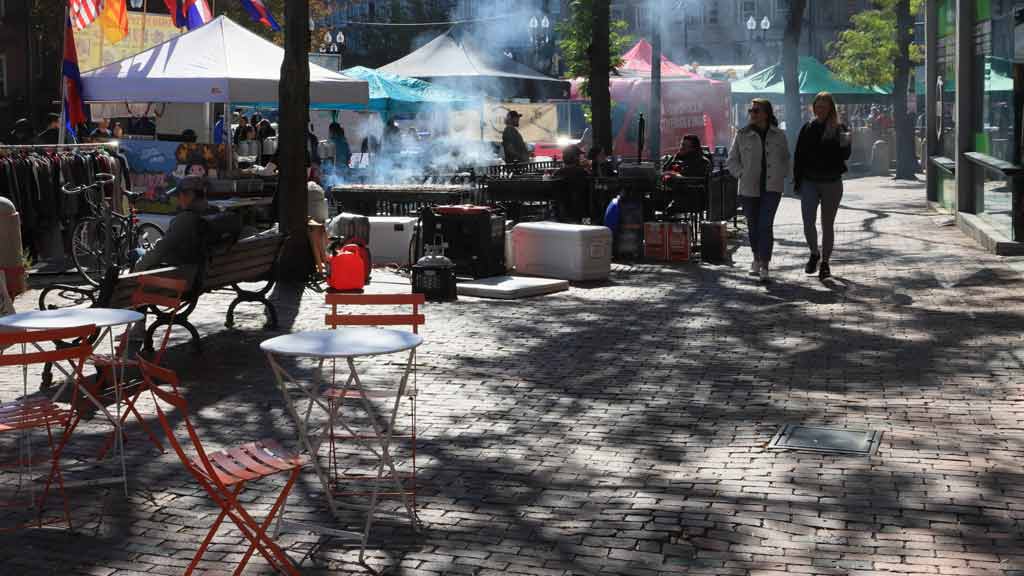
{"x": 753, "y": 25}
{"x": 540, "y": 36}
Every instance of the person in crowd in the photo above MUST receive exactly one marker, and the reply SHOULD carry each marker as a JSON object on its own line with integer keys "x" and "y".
{"x": 690, "y": 160}
{"x": 598, "y": 159}
{"x": 52, "y": 133}
{"x": 512, "y": 141}
{"x": 218, "y": 130}
{"x": 822, "y": 150}
{"x": 265, "y": 130}
{"x": 117, "y": 131}
{"x": 342, "y": 152}
{"x": 21, "y": 134}
{"x": 312, "y": 147}
{"x": 250, "y": 133}
{"x": 575, "y": 180}
{"x": 102, "y": 130}
{"x": 392, "y": 139}
{"x": 240, "y": 130}
{"x": 182, "y": 244}
{"x": 255, "y": 120}
{"x": 189, "y": 135}
{"x": 759, "y": 159}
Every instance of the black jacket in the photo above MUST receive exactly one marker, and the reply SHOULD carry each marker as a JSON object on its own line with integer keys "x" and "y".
{"x": 819, "y": 158}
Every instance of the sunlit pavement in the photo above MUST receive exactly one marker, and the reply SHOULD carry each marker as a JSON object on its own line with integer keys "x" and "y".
{"x": 622, "y": 428}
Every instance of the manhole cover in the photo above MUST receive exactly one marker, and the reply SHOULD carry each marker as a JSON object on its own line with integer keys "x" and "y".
{"x": 834, "y": 440}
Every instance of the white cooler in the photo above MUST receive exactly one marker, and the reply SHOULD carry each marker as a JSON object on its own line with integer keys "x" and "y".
{"x": 390, "y": 237}
{"x": 563, "y": 251}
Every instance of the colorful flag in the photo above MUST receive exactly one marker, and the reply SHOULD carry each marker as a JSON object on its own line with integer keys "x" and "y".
{"x": 114, "y": 20}
{"x": 189, "y": 14}
{"x": 83, "y": 12}
{"x": 174, "y": 9}
{"x": 74, "y": 109}
{"x": 259, "y": 12}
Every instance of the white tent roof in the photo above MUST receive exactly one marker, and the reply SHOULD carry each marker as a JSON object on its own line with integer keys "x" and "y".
{"x": 219, "y": 62}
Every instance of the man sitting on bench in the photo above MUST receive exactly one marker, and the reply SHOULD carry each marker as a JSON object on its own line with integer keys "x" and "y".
{"x": 182, "y": 244}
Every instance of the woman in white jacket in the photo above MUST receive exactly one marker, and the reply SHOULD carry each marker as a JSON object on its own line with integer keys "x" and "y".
{"x": 759, "y": 159}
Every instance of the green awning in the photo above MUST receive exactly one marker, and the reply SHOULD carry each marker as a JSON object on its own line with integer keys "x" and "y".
{"x": 814, "y": 78}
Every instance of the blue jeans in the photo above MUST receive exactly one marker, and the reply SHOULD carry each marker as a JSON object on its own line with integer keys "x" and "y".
{"x": 760, "y": 213}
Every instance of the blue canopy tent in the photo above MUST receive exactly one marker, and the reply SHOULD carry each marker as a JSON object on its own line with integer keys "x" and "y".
{"x": 394, "y": 94}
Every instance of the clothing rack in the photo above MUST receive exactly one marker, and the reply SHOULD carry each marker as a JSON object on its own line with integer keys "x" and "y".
{"x": 29, "y": 147}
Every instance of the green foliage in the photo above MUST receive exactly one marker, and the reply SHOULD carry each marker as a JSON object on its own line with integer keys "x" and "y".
{"x": 576, "y": 33}
{"x": 866, "y": 54}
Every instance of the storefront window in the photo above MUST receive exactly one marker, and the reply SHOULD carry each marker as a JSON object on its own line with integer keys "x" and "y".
{"x": 947, "y": 77}
{"x": 994, "y": 130}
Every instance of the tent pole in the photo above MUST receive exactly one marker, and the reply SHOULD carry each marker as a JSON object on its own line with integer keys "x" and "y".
{"x": 62, "y": 134}
{"x": 229, "y": 143}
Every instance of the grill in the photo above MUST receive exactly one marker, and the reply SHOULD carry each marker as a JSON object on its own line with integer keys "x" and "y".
{"x": 396, "y": 199}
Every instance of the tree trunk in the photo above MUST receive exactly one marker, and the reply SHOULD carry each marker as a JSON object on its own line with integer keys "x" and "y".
{"x": 600, "y": 93}
{"x": 791, "y": 70}
{"x": 293, "y": 100}
{"x": 906, "y": 166}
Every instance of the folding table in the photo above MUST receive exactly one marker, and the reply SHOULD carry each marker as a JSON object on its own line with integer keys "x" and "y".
{"x": 105, "y": 320}
{"x": 347, "y": 344}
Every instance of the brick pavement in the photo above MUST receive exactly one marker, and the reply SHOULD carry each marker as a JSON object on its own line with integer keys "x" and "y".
{"x": 622, "y": 428}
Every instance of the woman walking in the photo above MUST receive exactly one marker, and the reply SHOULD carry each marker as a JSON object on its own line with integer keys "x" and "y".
{"x": 759, "y": 159}
{"x": 821, "y": 154}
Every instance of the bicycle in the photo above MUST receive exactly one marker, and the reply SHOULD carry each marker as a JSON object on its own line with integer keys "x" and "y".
{"x": 127, "y": 238}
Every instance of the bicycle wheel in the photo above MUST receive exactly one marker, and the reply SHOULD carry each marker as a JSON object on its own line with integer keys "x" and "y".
{"x": 87, "y": 242}
{"x": 147, "y": 235}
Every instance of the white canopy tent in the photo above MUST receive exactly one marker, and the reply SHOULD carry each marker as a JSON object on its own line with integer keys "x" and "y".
{"x": 220, "y": 62}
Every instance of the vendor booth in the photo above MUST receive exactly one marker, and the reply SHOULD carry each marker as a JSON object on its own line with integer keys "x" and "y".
{"x": 456, "y": 61}
{"x": 221, "y": 63}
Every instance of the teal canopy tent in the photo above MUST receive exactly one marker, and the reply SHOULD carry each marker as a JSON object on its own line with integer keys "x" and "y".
{"x": 401, "y": 95}
{"x": 814, "y": 77}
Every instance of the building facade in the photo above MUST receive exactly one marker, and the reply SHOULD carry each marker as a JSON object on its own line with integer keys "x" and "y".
{"x": 973, "y": 108}
{"x": 715, "y": 32}
{"x": 16, "y": 79}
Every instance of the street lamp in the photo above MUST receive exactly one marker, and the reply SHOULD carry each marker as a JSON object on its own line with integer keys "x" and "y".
{"x": 540, "y": 35}
{"x": 765, "y": 26}
{"x": 751, "y": 24}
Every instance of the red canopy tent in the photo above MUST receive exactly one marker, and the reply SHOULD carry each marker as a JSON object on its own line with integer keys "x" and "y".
{"x": 637, "y": 61}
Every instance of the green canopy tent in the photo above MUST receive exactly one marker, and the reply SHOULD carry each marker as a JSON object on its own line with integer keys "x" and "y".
{"x": 814, "y": 77}
{"x": 394, "y": 94}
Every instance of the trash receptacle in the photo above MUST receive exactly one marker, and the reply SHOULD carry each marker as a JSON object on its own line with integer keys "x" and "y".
{"x": 880, "y": 158}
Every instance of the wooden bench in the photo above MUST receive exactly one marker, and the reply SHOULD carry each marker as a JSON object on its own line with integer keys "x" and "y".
{"x": 225, "y": 267}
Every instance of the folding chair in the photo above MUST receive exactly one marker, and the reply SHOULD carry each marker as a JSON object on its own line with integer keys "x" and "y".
{"x": 335, "y": 395}
{"x": 29, "y": 413}
{"x": 225, "y": 473}
{"x": 160, "y": 293}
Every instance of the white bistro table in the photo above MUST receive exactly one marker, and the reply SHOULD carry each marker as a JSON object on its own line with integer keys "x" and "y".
{"x": 105, "y": 320}
{"x": 343, "y": 344}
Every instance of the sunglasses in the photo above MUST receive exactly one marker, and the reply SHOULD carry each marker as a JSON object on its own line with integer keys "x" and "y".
{"x": 754, "y": 110}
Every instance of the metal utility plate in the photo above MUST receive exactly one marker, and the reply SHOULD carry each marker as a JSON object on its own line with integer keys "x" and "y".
{"x": 831, "y": 440}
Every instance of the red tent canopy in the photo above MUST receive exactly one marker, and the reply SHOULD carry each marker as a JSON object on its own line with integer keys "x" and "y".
{"x": 638, "y": 61}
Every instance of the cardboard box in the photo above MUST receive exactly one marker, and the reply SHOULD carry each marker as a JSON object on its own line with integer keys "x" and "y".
{"x": 678, "y": 242}
{"x": 656, "y": 243}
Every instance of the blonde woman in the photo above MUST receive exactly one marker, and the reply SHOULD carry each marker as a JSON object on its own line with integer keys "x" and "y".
{"x": 821, "y": 154}
{"x": 759, "y": 159}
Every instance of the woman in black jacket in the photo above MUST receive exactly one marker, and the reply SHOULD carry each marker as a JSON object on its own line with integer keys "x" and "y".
{"x": 821, "y": 154}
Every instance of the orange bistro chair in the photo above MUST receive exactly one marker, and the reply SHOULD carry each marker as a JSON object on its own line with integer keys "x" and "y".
{"x": 156, "y": 292}
{"x": 224, "y": 474}
{"x": 29, "y": 413}
{"x": 336, "y": 395}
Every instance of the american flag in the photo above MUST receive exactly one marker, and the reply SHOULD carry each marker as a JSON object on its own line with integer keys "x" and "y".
{"x": 83, "y": 12}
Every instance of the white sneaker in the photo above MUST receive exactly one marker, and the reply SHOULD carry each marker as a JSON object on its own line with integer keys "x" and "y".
{"x": 755, "y": 268}
{"x": 763, "y": 273}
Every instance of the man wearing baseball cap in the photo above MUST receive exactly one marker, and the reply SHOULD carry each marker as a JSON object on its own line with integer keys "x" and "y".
{"x": 512, "y": 141}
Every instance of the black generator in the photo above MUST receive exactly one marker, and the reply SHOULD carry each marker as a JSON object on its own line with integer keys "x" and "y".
{"x": 475, "y": 236}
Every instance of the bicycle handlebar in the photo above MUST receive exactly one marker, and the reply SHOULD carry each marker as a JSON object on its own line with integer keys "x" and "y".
{"x": 102, "y": 178}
